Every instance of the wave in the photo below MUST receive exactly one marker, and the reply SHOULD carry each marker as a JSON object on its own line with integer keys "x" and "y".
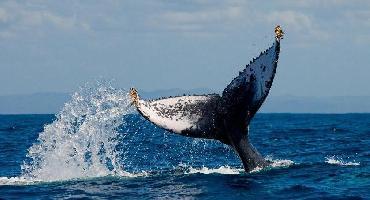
{"x": 32, "y": 181}
{"x": 221, "y": 170}
{"x": 335, "y": 160}
{"x": 275, "y": 163}
{"x": 180, "y": 169}
{"x": 17, "y": 181}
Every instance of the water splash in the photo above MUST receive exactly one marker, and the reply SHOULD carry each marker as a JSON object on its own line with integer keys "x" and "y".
{"x": 17, "y": 181}
{"x": 188, "y": 169}
{"x": 221, "y": 170}
{"x": 275, "y": 163}
{"x": 81, "y": 142}
{"x": 335, "y": 160}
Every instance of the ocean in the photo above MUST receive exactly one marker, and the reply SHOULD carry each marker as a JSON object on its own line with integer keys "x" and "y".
{"x": 98, "y": 147}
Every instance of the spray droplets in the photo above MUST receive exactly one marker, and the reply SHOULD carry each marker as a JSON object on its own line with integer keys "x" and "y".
{"x": 81, "y": 142}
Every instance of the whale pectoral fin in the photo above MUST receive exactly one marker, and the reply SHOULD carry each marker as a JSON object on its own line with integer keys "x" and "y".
{"x": 192, "y": 116}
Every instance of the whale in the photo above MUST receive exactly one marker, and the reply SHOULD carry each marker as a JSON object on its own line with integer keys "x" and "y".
{"x": 224, "y": 117}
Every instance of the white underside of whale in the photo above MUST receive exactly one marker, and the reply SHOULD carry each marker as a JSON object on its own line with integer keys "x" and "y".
{"x": 168, "y": 113}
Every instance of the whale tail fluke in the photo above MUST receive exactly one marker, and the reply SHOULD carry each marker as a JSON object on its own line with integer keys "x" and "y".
{"x": 225, "y": 118}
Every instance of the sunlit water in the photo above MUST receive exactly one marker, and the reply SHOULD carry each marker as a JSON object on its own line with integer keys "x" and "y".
{"x": 99, "y": 147}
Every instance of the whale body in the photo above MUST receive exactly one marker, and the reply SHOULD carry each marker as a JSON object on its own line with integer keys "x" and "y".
{"x": 223, "y": 117}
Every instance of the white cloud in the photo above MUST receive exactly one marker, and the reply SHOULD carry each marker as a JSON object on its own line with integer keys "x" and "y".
{"x": 358, "y": 16}
{"x": 16, "y": 17}
{"x": 202, "y": 19}
{"x": 295, "y": 20}
{"x": 212, "y": 18}
{"x": 299, "y": 23}
{"x": 304, "y": 20}
{"x": 321, "y": 3}
{"x": 3, "y": 15}
{"x": 358, "y": 21}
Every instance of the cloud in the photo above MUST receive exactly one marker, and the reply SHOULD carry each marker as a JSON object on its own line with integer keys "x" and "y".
{"x": 298, "y": 22}
{"x": 358, "y": 21}
{"x": 304, "y": 20}
{"x": 322, "y": 3}
{"x": 201, "y": 16}
{"x": 215, "y": 17}
{"x": 3, "y": 15}
{"x": 361, "y": 17}
{"x": 16, "y": 18}
{"x": 200, "y": 20}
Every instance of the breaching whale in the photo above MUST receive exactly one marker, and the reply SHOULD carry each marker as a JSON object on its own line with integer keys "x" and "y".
{"x": 225, "y": 118}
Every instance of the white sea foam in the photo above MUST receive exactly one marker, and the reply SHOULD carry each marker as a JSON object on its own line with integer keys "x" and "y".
{"x": 21, "y": 180}
{"x": 275, "y": 163}
{"x": 81, "y": 142}
{"x": 17, "y": 181}
{"x": 257, "y": 169}
{"x": 335, "y": 160}
{"x": 221, "y": 170}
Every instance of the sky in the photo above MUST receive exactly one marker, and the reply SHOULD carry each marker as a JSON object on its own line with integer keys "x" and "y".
{"x": 58, "y": 46}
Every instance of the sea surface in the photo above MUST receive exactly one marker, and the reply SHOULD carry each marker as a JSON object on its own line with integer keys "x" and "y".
{"x": 98, "y": 147}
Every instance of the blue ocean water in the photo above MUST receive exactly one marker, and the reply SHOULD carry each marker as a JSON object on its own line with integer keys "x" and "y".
{"x": 96, "y": 151}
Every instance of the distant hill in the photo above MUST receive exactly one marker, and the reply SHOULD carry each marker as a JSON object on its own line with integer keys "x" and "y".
{"x": 46, "y": 103}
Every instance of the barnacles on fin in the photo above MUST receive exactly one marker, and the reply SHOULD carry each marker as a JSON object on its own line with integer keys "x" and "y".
{"x": 134, "y": 96}
{"x": 279, "y": 33}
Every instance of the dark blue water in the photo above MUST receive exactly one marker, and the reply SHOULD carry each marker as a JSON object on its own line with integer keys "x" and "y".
{"x": 331, "y": 155}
